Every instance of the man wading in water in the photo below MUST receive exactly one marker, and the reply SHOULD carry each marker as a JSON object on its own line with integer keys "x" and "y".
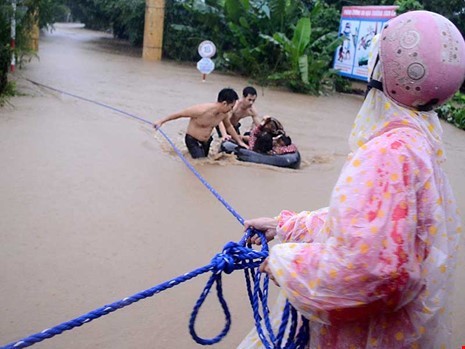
{"x": 203, "y": 118}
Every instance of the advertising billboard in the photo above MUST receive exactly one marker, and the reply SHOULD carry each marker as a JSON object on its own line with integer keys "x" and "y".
{"x": 359, "y": 24}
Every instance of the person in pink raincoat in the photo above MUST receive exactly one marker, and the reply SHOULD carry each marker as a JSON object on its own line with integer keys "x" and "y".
{"x": 373, "y": 270}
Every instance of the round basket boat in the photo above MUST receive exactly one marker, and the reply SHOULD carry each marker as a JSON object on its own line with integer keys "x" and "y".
{"x": 290, "y": 160}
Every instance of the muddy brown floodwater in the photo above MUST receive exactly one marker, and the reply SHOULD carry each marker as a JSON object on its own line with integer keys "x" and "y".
{"x": 95, "y": 207}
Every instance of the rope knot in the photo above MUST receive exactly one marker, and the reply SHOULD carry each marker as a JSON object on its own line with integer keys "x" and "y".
{"x": 226, "y": 261}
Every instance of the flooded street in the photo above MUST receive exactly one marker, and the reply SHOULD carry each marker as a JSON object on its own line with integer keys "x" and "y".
{"x": 95, "y": 206}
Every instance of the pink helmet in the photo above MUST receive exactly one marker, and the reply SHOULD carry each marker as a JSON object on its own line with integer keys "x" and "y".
{"x": 422, "y": 56}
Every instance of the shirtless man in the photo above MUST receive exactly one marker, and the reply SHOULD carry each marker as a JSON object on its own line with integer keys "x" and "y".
{"x": 242, "y": 109}
{"x": 203, "y": 118}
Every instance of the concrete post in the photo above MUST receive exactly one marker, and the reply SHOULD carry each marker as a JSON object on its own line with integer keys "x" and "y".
{"x": 153, "y": 30}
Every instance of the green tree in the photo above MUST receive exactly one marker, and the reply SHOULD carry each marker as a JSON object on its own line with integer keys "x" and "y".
{"x": 188, "y": 22}
{"x": 124, "y": 17}
{"x": 93, "y": 13}
{"x": 452, "y": 9}
{"x": 408, "y": 5}
{"x": 308, "y": 55}
{"x": 5, "y": 49}
{"x": 43, "y": 12}
{"x": 250, "y": 23}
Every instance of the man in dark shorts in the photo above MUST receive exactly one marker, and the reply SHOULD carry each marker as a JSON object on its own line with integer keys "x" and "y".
{"x": 203, "y": 118}
{"x": 196, "y": 148}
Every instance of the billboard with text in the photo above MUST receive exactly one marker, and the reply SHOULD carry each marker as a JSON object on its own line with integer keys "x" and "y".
{"x": 359, "y": 24}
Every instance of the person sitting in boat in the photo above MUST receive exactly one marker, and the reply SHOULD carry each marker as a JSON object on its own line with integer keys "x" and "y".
{"x": 263, "y": 143}
{"x": 261, "y": 137}
{"x": 282, "y": 144}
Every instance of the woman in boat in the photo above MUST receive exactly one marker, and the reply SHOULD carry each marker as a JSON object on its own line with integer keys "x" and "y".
{"x": 282, "y": 144}
{"x": 270, "y": 138}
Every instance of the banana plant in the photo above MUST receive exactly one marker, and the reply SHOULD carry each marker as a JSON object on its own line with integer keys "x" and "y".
{"x": 248, "y": 21}
{"x": 295, "y": 48}
{"x": 308, "y": 57}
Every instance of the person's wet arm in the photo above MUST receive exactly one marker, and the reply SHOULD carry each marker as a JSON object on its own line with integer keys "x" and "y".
{"x": 255, "y": 117}
{"x": 186, "y": 113}
{"x": 224, "y": 134}
{"x": 230, "y": 129}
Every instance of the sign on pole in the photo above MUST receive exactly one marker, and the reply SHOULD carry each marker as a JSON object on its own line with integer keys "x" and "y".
{"x": 206, "y": 49}
{"x": 205, "y": 65}
{"x": 359, "y": 24}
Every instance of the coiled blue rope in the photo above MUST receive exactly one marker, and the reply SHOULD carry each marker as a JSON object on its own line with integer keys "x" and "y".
{"x": 235, "y": 256}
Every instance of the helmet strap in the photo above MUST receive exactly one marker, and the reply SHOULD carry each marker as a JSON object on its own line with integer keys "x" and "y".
{"x": 428, "y": 106}
{"x": 372, "y": 82}
{"x": 376, "y": 84}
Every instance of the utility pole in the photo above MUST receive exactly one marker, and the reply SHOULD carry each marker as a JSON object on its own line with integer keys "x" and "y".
{"x": 153, "y": 30}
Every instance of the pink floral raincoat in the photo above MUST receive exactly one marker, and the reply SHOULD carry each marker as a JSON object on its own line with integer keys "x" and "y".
{"x": 373, "y": 270}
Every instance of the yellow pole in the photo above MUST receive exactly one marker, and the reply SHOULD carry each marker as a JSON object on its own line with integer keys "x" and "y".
{"x": 33, "y": 33}
{"x": 153, "y": 31}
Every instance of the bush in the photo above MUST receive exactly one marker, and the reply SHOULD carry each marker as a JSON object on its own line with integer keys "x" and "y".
{"x": 454, "y": 110}
{"x": 286, "y": 43}
{"x": 5, "y": 50}
{"x": 5, "y": 58}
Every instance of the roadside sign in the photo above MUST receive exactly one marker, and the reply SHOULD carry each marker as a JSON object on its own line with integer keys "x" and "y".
{"x": 205, "y": 66}
{"x": 207, "y": 49}
{"x": 359, "y": 24}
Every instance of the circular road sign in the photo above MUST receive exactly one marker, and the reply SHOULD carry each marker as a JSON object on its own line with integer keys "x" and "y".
{"x": 207, "y": 49}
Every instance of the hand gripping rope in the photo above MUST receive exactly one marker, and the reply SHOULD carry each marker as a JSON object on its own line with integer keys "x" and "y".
{"x": 235, "y": 256}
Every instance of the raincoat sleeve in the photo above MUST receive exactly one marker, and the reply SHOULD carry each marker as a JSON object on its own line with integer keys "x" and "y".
{"x": 300, "y": 227}
{"x": 368, "y": 264}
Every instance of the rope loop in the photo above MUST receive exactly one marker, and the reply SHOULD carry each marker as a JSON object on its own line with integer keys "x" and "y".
{"x": 235, "y": 256}
{"x": 215, "y": 278}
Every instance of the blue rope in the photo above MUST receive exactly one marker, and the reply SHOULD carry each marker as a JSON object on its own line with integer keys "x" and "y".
{"x": 235, "y": 256}
{"x": 183, "y": 158}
